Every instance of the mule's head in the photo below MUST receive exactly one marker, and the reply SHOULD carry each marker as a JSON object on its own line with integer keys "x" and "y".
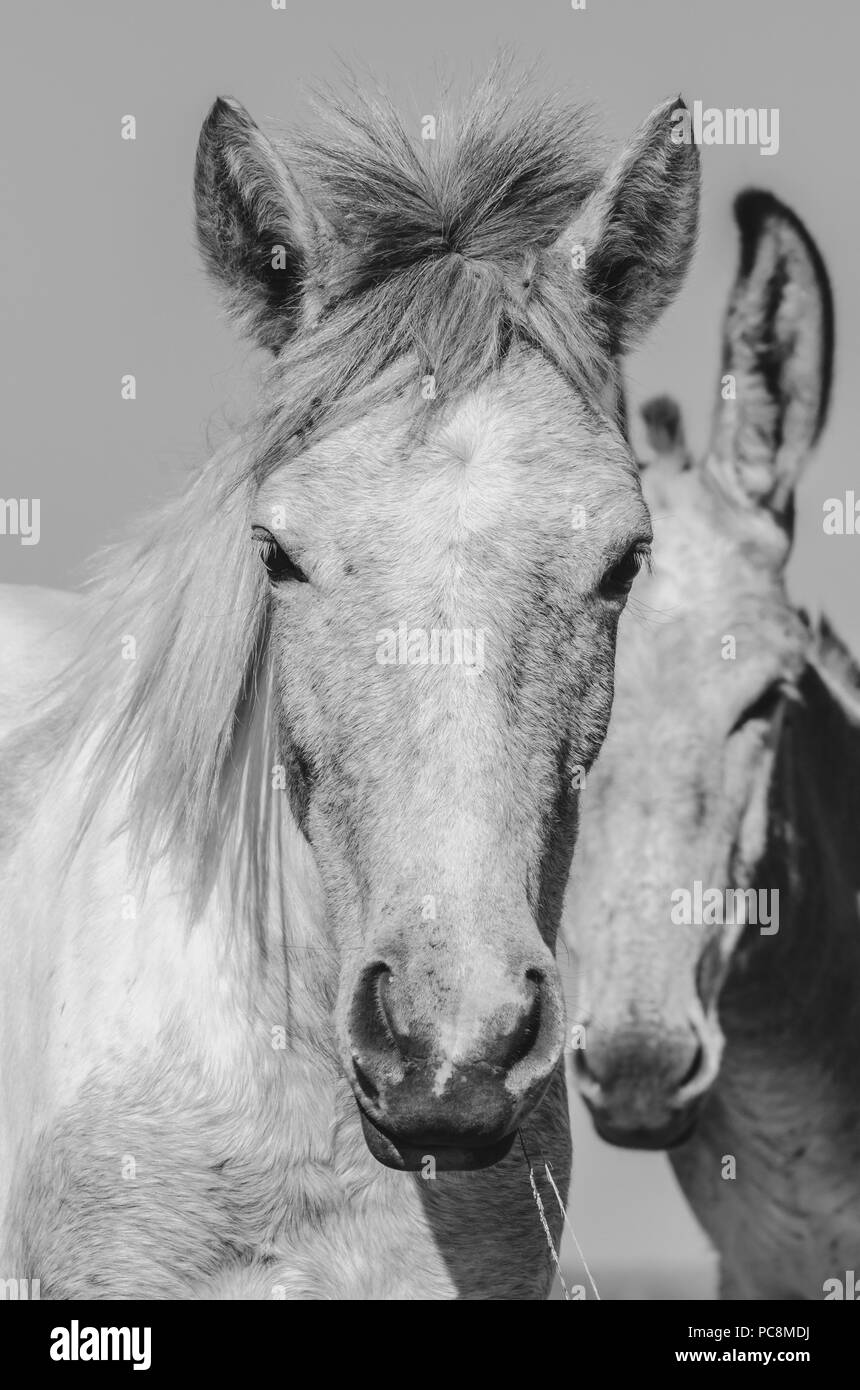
{"x": 708, "y": 660}
{"x": 442, "y": 622}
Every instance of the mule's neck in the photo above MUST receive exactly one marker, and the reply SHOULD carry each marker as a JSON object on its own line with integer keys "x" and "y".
{"x": 798, "y": 990}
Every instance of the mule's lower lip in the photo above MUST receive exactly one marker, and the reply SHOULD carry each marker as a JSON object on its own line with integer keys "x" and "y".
{"x": 432, "y": 1157}
{"x": 668, "y": 1136}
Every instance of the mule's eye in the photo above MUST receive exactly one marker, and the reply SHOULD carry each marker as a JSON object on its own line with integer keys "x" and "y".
{"x": 617, "y": 581}
{"x": 279, "y": 566}
{"x": 763, "y": 707}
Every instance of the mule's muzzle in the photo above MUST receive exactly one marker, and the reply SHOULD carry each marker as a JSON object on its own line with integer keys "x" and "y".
{"x": 645, "y": 1092}
{"x": 428, "y": 1156}
{"x": 670, "y": 1135}
{"x": 453, "y": 1087}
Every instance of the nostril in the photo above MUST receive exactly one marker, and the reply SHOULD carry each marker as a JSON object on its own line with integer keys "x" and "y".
{"x": 364, "y": 1081}
{"x": 389, "y": 1033}
{"x": 694, "y": 1068}
{"x": 379, "y": 996}
{"x": 370, "y": 1023}
{"x": 526, "y": 1036}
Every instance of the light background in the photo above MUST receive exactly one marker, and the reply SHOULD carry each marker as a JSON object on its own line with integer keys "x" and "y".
{"x": 100, "y": 277}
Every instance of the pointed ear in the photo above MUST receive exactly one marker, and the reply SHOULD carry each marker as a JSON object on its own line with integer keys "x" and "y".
{"x": 636, "y": 232}
{"x": 777, "y": 358}
{"x": 260, "y": 238}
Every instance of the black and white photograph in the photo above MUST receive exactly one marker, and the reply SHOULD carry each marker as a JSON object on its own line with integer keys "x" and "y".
{"x": 429, "y": 671}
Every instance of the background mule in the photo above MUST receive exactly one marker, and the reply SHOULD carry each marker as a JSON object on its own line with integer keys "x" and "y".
{"x": 283, "y": 858}
{"x": 733, "y": 761}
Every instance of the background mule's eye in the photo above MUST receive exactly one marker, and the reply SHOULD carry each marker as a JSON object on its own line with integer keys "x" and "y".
{"x": 618, "y": 579}
{"x": 279, "y": 566}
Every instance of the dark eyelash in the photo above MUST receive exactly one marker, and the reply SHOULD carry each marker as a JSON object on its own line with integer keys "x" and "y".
{"x": 279, "y": 567}
{"x": 619, "y": 578}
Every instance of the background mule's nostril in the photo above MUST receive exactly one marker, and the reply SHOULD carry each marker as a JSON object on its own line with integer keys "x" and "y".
{"x": 694, "y": 1067}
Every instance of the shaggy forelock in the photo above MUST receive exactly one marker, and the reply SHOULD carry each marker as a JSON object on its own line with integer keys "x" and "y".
{"x": 443, "y": 252}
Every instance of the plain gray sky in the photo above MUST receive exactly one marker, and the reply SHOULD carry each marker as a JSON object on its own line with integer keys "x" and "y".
{"x": 100, "y": 274}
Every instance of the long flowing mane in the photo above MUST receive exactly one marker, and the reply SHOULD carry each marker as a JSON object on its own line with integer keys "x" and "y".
{"x": 447, "y": 259}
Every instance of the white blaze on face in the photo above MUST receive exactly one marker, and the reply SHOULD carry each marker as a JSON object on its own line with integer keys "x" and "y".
{"x": 443, "y": 1075}
{"x": 487, "y": 993}
{"x": 483, "y": 447}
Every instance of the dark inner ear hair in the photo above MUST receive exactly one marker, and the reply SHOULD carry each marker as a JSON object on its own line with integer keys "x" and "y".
{"x": 752, "y": 208}
{"x": 770, "y": 354}
{"x": 281, "y": 287}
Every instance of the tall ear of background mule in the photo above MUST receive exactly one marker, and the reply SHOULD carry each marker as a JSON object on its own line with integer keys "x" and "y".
{"x": 778, "y": 340}
{"x": 262, "y": 241}
{"x": 637, "y": 231}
